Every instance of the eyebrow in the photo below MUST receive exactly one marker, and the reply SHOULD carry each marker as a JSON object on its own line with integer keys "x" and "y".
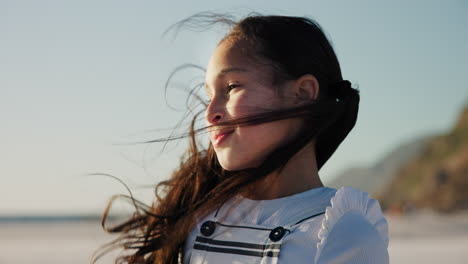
{"x": 226, "y": 71}
{"x": 232, "y": 69}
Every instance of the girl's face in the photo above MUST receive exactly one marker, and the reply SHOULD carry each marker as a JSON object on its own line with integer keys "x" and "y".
{"x": 237, "y": 88}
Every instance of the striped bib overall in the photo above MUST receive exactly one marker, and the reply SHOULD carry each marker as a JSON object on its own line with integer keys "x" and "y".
{"x": 219, "y": 242}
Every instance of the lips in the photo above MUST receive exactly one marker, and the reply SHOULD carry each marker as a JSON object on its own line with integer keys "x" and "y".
{"x": 219, "y": 137}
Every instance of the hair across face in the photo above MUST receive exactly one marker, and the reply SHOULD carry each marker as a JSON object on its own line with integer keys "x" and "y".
{"x": 239, "y": 87}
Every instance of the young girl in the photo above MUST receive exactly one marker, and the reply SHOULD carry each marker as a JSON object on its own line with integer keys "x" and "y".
{"x": 278, "y": 109}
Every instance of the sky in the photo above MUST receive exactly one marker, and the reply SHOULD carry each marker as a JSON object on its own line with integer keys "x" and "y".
{"x": 81, "y": 80}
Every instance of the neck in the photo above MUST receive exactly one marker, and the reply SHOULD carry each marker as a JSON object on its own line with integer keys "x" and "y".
{"x": 300, "y": 174}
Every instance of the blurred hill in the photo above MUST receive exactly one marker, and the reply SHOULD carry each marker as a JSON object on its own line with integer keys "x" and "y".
{"x": 437, "y": 178}
{"x": 373, "y": 179}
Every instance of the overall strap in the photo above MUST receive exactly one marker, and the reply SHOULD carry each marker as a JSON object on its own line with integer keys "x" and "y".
{"x": 305, "y": 215}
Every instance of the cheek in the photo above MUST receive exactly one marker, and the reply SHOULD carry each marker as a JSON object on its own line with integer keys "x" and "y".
{"x": 250, "y": 145}
{"x": 267, "y": 136}
{"x": 250, "y": 103}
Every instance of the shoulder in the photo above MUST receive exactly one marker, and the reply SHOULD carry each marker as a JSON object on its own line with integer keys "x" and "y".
{"x": 354, "y": 230}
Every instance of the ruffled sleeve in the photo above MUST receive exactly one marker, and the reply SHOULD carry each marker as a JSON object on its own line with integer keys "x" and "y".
{"x": 354, "y": 230}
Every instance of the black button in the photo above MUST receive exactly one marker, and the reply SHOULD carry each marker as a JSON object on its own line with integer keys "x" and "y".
{"x": 208, "y": 228}
{"x": 277, "y": 233}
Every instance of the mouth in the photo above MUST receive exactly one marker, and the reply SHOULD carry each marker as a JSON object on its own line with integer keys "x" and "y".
{"x": 220, "y": 137}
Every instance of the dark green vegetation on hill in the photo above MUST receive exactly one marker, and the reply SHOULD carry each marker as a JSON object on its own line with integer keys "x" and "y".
{"x": 437, "y": 178}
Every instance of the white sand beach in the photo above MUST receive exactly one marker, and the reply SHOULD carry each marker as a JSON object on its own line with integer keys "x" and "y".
{"x": 429, "y": 238}
{"x": 420, "y": 238}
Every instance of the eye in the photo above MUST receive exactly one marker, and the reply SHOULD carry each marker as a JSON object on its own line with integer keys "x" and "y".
{"x": 231, "y": 86}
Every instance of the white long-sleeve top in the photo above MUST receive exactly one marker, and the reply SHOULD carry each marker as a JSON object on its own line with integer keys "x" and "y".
{"x": 351, "y": 230}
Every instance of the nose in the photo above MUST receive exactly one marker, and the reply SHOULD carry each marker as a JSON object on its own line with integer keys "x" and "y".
{"x": 213, "y": 113}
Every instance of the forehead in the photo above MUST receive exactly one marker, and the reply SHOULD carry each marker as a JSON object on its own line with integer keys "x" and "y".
{"x": 230, "y": 57}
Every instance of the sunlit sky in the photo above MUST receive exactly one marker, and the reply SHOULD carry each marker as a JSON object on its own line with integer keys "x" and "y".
{"x": 78, "y": 77}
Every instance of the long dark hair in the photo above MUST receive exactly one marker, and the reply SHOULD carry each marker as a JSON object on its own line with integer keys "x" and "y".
{"x": 291, "y": 47}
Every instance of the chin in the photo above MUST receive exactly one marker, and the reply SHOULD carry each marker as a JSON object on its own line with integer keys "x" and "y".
{"x": 231, "y": 164}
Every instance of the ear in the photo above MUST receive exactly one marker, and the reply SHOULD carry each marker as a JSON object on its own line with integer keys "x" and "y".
{"x": 306, "y": 88}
